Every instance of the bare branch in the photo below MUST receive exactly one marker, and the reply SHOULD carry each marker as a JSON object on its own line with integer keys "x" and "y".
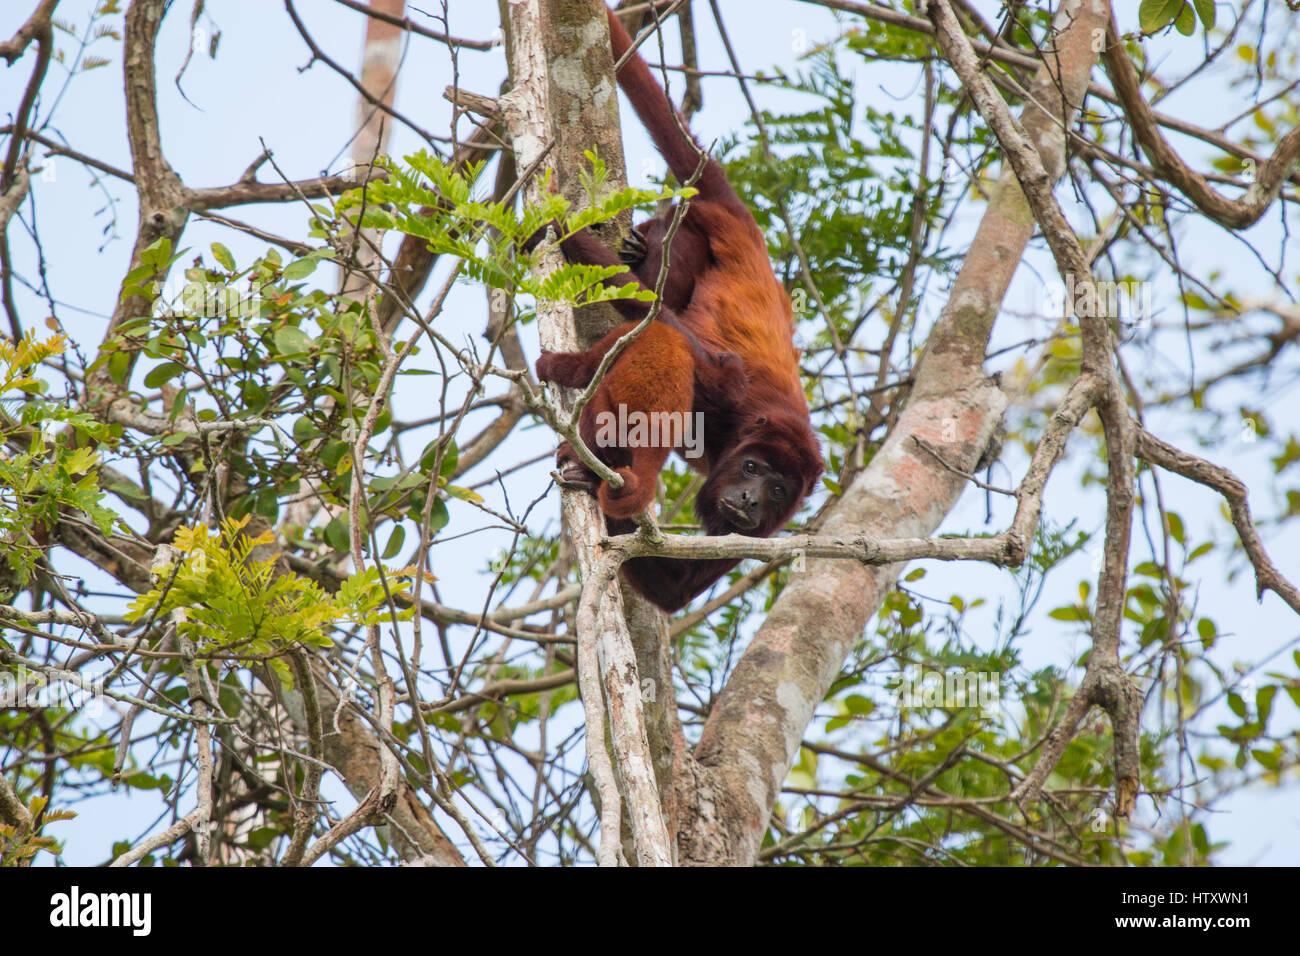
{"x": 1232, "y": 214}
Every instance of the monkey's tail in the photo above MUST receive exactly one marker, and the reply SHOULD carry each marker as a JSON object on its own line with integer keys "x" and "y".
{"x": 662, "y": 121}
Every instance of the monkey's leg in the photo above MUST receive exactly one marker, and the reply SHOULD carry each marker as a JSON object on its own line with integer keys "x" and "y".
{"x": 648, "y": 397}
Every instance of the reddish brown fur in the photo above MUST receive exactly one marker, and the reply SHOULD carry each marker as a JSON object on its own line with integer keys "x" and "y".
{"x": 723, "y": 346}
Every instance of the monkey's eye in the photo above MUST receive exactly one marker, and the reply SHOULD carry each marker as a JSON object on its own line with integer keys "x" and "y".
{"x": 778, "y": 492}
{"x": 750, "y": 467}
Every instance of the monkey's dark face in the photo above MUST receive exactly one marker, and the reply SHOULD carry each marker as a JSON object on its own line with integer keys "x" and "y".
{"x": 747, "y": 495}
{"x": 755, "y": 494}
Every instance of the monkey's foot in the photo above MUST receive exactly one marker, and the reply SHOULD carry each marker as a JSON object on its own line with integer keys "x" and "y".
{"x": 633, "y": 251}
{"x": 574, "y": 475}
{"x": 627, "y": 501}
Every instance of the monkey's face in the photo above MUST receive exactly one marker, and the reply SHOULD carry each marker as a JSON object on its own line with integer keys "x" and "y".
{"x": 746, "y": 494}
{"x": 755, "y": 486}
{"x": 755, "y": 495}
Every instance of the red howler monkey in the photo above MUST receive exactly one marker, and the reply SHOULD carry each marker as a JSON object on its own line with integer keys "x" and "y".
{"x": 722, "y": 346}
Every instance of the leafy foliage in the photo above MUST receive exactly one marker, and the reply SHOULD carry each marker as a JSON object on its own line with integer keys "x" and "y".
{"x": 1155, "y": 15}
{"x": 18, "y": 848}
{"x": 222, "y": 596}
{"x": 50, "y": 463}
{"x": 430, "y": 200}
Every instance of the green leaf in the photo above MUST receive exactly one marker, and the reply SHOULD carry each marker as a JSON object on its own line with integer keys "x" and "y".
{"x": 857, "y": 704}
{"x": 290, "y": 340}
{"x": 261, "y": 838}
{"x": 464, "y": 494}
{"x": 304, "y": 430}
{"x": 135, "y": 276}
{"x": 1186, "y": 21}
{"x": 124, "y": 490}
{"x": 336, "y": 535}
{"x": 1267, "y": 758}
{"x": 438, "y": 516}
{"x": 450, "y": 458}
{"x": 254, "y": 395}
{"x": 1069, "y": 613}
{"x": 1264, "y": 701}
{"x": 1205, "y": 10}
{"x": 394, "y": 542}
{"x": 1155, "y": 15}
{"x": 223, "y": 256}
{"x": 179, "y": 403}
{"x": 301, "y": 268}
{"x": 163, "y": 373}
{"x": 156, "y": 254}
{"x": 118, "y": 365}
{"x": 268, "y": 504}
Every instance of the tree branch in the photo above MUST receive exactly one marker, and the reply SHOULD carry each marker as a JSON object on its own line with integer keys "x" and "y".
{"x": 1232, "y": 214}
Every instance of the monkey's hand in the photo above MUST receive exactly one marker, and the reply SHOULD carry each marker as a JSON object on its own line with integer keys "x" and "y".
{"x": 572, "y": 474}
{"x": 570, "y": 369}
{"x": 633, "y": 251}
